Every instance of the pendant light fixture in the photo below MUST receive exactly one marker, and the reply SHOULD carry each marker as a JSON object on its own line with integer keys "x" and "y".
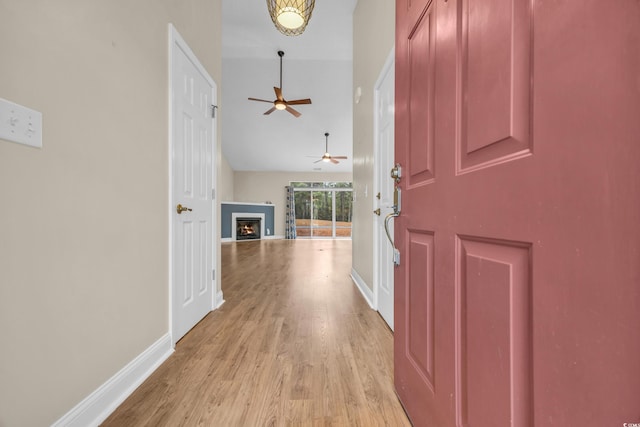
{"x": 290, "y": 16}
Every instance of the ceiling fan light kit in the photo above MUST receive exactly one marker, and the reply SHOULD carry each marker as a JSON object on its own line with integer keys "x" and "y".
{"x": 326, "y": 157}
{"x": 280, "y": 103}
{"x": 290, "y": 16}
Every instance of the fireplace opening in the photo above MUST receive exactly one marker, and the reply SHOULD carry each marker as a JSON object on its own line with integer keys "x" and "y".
{"x": 247, "y": 228}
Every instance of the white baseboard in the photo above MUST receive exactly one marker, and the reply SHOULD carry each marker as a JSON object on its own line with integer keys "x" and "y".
{"x": 362, "y": 286}
{"x": 219, "y": 300}
{"x": 96, "y": 407}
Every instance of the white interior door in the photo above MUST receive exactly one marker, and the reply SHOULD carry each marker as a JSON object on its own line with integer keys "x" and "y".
{"x": 192, "y": 130}
{"x": 384, "y": 160}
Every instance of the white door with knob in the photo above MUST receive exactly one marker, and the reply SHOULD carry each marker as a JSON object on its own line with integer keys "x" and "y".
{"x": 192, "y": 141}
{"x": 383, "y": 186}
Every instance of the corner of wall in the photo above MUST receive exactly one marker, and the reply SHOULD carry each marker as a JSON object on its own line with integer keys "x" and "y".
{"x": 364, "y": 289}
{"x": 96, "y": 407}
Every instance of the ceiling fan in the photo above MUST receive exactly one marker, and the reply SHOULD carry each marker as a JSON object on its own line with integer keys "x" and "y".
{"x": 280, "y": 103}
{"x": 326, "y": 157}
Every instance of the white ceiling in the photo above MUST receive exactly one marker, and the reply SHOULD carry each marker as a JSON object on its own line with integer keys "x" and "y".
{"x": 316, "y": 65}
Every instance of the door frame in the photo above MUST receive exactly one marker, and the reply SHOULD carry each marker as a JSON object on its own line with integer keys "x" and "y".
{"x": 177, "y": 42}
{"x": 389, "y": 62}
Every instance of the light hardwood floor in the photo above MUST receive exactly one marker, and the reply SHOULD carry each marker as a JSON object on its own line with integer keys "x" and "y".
{"x": 295, "y": 344}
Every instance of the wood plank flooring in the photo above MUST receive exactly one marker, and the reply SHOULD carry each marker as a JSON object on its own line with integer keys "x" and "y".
{"x": 295, "y": 344}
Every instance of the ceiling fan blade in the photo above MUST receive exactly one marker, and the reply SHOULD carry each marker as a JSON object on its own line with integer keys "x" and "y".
{"x": 299, "y": 101}
{"x": 292, "y": 111}
{"x": 261, "y": 100}
{"x": 318, "y": 161}
{"x": 270, "y": 111}
{"x": 334, "y": 161}
{"x": 338, "y": 157}
{"x": 278, "y": 92}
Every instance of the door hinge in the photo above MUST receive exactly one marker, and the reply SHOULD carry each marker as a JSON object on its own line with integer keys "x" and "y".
{"x": 213, "y": 111}
{"x": 213, "y": 193}
{"x": 213, "y": 274}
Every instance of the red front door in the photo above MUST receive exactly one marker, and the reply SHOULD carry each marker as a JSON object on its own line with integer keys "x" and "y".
{"x": 518, "y": 294}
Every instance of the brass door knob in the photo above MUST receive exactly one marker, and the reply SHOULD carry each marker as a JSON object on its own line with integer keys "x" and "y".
{"x": 377, "y": 212}
{"x": 181, "y": 209}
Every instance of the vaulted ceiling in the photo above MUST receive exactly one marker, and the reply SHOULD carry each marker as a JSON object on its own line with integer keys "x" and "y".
{"x": 316, "y": 65}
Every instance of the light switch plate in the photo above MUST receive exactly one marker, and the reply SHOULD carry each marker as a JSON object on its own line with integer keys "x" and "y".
{"x": 20, "y": 124}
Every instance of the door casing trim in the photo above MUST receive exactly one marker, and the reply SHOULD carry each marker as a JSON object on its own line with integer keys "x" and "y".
{"x": 389, "y": 62}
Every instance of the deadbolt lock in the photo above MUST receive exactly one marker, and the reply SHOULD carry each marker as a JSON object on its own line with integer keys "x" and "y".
{"x": 396, "y": 172}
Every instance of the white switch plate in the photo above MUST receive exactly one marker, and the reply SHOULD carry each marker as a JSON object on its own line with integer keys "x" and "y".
{"x": 20, "y": 124}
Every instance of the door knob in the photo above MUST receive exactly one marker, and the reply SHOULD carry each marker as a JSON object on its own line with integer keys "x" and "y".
{"x": 377, "y": 212}
{"x": 181, "y": 209}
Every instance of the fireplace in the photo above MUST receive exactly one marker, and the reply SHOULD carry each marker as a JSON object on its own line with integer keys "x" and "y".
{"x": 248, "y": 228}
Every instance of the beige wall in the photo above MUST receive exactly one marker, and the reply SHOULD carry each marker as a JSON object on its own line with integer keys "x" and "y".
{"x": 373, "y": 39}
{"x": 260, "y": 187}
{"x": 225, "y": 183}
{"x": 84, "y": 247}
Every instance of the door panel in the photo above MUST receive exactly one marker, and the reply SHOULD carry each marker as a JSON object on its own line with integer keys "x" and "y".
{"x": 343, "y": 213}
{"x": 192, "y": 160}
{"x": 322, "y": 221}
{"x": 412, "y": 9}
{"x": 421, "y": 100}
{"x": 517, "y": 295}
{"x": 303, "y": 213}
{"x": 419, "y": 306}
{"x": 495, "y": 74}
{"x": 187, "y": 281}
{"x": 493, "y": 339}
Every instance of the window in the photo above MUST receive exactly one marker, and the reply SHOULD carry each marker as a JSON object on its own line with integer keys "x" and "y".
{"x": 323, "y": 209}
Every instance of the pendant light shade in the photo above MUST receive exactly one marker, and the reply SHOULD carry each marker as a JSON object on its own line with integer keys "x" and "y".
{"x": 290, "y": 16}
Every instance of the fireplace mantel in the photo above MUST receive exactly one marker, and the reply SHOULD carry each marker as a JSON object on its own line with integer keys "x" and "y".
{"x": 227, "y": 221}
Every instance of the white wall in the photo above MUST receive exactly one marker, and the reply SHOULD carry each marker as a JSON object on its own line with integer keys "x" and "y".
{"x": 84, "y": 248}
{"x": 225, "y": 182}
{"x": 246, "y": 130}
{"x": 259, "y": 187}
{"x": 373, "y": 39}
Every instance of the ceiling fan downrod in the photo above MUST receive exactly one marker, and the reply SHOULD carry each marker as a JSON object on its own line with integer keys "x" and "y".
{"x": 280, "y": 54}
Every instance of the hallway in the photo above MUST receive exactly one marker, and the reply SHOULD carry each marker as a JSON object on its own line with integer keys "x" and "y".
{"x": 295, "y": 344}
